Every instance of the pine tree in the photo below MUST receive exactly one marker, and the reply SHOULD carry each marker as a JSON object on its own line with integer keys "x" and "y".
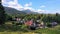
{"x": 2, "y": 14}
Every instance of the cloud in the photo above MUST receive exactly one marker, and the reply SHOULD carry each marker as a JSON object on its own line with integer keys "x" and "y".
{"x": 13, "y": 4}
{"x": 16, "y": 5}
{"x": 28, "y": 4}
{"x": 41, "y": 11}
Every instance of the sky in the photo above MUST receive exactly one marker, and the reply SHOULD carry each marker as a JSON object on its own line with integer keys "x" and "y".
{"x": 40, "y": 6}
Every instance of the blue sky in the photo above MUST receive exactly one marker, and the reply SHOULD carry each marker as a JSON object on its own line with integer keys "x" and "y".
{"x": 41, "y": 6}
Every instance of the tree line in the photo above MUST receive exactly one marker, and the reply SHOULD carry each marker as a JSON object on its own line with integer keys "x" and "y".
{"x": 46, "y": 18}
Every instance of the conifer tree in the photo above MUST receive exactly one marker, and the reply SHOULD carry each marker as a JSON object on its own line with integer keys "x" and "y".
{"x": 2, "y": 14}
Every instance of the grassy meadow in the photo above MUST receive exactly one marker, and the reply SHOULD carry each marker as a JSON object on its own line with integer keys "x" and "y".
{"x": 18, "y": 30}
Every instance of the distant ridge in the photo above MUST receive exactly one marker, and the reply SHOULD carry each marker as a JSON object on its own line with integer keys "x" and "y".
{"x": 10, "y": 10}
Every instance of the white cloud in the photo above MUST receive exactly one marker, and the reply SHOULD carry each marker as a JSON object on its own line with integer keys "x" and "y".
{"x": 28, "y": 4}
{"x": 27, "y": 8}
{"x": 16, "y": 5}
{"x": 40, "y": 11}
{"x": 13, "y": 4}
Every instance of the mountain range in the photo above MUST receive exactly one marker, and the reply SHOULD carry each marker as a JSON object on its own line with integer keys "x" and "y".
{"x": 10, "y": 10}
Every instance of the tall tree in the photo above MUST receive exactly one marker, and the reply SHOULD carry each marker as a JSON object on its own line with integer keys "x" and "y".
{"x": 2, "y": 14}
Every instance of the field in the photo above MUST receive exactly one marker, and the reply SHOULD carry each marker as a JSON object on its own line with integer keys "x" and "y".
{"x": 54, "y": 30}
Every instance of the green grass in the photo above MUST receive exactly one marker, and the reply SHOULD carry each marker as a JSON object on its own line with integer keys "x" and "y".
{"x": 55, "y": 30}
{"x": 17, "y": 30}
